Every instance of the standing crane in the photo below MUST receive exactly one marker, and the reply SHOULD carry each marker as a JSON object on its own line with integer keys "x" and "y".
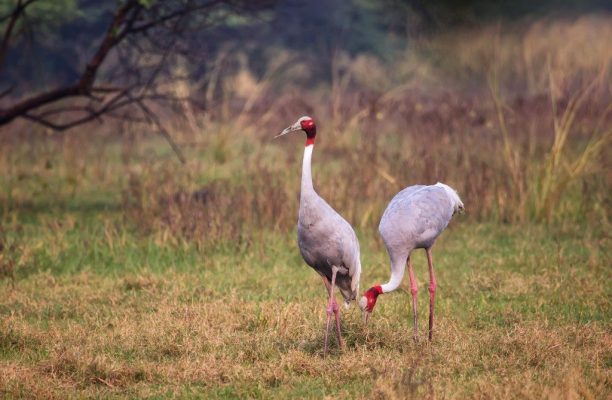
{"x": 414, "y": 219}
{"x": 327, "y": 241}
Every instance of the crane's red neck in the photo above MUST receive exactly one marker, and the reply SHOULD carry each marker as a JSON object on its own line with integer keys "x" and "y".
{"x": 371, "y": 295}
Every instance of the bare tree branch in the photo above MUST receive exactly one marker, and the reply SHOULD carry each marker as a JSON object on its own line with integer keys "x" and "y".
{"x": 172, "y": 15}
{"x": 7, "y": 91}
{"x": 111, "y": 39}
{"x": 83, "y": 86}
{"x": 144, "y": 40}
{"x": 8, "y": 32}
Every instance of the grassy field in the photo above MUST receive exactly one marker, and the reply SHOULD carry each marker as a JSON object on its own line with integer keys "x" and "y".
{"x": 522, "y": 312}
{"x": 124, "y": 273}
{"x": 97, "y": 301}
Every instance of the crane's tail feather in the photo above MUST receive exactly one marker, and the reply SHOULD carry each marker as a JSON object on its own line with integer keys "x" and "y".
{"x": 458, "y": 206}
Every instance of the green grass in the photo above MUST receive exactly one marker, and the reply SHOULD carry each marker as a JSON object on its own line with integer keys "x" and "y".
{"x": 98, "y": 309}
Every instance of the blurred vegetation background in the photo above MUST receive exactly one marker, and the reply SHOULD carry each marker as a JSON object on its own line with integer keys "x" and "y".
{"x": 507, "y": 101}
{"x": 53, "y": 36}
{"x": 147, "y": 218}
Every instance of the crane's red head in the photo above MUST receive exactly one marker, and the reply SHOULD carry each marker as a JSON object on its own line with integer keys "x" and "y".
{"x": 368, "y": 301}
{"x": 305, "y": 124}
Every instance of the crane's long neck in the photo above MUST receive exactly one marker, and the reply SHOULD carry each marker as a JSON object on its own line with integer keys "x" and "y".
{"x": 306, "y": 168}
{"x": 397, "y": 274}
{"x": 368, "y": 301}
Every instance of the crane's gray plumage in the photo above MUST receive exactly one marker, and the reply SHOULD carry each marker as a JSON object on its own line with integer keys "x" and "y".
{"x": 325, "y": 239}
{"x": 414, "y": 218}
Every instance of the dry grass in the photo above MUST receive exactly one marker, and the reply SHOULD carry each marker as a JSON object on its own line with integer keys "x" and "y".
{"x": 522, "y": 313}
{"x": 86, "y": 335}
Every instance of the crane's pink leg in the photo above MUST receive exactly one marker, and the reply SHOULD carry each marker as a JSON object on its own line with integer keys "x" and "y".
{"x": 336, "y": 310}
{"x": 328, "y": 290}
{"x": 432, "y": 292}
{"x": 330, "y": 307}
{"x": 413, "y": 290}
{"x": 326, "y": 282}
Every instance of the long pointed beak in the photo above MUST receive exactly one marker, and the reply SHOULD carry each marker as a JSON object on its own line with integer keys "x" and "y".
{"x": 293, "y": 128}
